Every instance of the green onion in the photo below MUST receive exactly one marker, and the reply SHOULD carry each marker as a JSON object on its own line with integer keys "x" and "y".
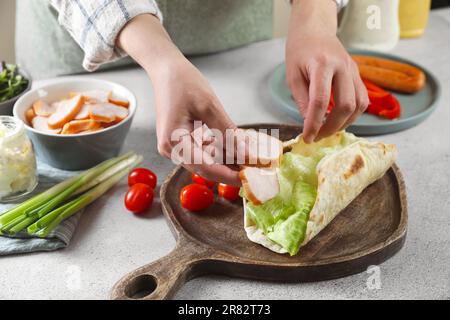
{"x": 46, "y": 219}
{"x": 11, "y": 82}
{"x": 35, "y": 201}
{"x": 87, "y": 198}
{"x": 6, "y": 229}
{"x": 40, "y": 201}
{"x": 42, "y": 213}
{"x": 22, "y": 225}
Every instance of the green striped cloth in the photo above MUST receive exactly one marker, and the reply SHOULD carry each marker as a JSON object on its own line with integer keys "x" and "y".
{"x": 58, "y": 238}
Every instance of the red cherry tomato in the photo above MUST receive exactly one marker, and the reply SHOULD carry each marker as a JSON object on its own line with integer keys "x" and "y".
{"x": 139, "y": 198}
{"x": 200, "y": 180}
{"x": 142, "y": 175}
{"x": 231, "y": 193}
{"x": 196, "y": 197}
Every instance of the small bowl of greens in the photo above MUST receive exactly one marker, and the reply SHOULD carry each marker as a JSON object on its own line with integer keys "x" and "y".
{"x": 14, "y": 82}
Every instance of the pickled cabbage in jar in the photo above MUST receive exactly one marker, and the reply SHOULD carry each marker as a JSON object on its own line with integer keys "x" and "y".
{"x": 17, "y": 160}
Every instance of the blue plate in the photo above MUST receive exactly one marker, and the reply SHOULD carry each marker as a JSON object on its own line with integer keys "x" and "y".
{"x": 415, "y": 108}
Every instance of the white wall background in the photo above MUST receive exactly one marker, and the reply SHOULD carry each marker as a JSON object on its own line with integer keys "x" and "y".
{"x": 7, "y": 21}
{"x": 7, "y": 25}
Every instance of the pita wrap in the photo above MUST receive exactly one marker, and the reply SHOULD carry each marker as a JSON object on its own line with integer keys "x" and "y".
{"x": 317, "y": 181}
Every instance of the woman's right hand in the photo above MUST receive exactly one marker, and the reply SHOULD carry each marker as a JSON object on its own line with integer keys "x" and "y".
{"x": 182, "y": 94}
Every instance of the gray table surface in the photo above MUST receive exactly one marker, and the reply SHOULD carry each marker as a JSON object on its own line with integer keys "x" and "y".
{"x": 110, "y": 242}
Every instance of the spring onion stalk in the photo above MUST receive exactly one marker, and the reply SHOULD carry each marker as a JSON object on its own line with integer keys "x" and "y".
{"x": 86, "y": 199}
{"x": 82, "y": 180}
{"x": 21, "y": 225}
{"x": 46, "y": 219}
{"x": 12, "y": 223}
{"x": 17, "y": 211}
{"x": 48, "y": 209}
{"x": 107, "y": 174}
{"x": 24, "y": 223}
{"x": 40, "y": 200}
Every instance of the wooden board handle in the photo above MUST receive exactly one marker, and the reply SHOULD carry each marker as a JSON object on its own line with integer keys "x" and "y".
{"x": 161, "y": 279}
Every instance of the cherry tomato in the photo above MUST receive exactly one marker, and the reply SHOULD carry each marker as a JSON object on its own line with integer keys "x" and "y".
{"x": 231, "y": 193}
{"x": 198, "y": 179}
{"x": 142, "y": 175}
{"x": 139, "y": 198}
{"x": 196, "y": 197}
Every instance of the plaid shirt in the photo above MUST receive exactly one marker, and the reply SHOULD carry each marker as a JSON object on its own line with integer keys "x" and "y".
{"x": 341, "y": 3}
{"x": 95, "y": 24}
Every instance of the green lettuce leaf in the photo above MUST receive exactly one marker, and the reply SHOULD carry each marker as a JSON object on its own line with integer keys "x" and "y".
{"x": 289, "y": 230}
{"x": 303, "y": 196}
{"x": 290, "y": 233}
{"x": 296, "y": 167}
{"x": 267, "y": 214}
{"x": 242, "y": 193}
{"x": 284, "y": 218}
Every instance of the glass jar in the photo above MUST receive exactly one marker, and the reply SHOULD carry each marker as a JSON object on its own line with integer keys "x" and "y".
{"x": 370, "y": 25}
{"x": 413, "y": 17}
{"x": 18, "y": 174}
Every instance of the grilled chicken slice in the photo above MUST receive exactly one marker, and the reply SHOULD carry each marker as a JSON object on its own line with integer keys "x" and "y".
{"x": 43, "y": 109}
{"x": 94, "y": 96}
{"x": 257, "y": 149}
{"x": 107, "y": 112}
{"x": 83, "y": 114}
{"x": 119, "y": 102}
{"x": 29, "y": 116}
{"x": 40, "y": 123}
{"x": 260, "y": 184}
{"x": 77, "y": 126}
{"x": 66, "y": 111}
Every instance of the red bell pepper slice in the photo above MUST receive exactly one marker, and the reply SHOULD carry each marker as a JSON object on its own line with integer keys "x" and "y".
{"x": 382, "y": 103}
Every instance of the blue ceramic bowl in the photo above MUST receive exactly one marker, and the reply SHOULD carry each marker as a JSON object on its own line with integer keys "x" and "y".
{"x": 76, "y": 151}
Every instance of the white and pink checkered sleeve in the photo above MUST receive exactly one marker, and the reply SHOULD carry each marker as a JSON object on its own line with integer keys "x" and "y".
{"x": 340, "y": 3}
{"x": 95, "y": 25}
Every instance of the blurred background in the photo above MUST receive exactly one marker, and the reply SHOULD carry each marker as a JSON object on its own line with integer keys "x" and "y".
{"x": 7, "y": 23}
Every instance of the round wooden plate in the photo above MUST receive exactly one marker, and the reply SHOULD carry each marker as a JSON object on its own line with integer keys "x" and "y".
{"x": 369, "y": 231}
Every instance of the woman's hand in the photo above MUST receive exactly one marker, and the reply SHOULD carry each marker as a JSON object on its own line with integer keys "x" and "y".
{"x": 316, "y": 65}
{"x": 182, "y": 94}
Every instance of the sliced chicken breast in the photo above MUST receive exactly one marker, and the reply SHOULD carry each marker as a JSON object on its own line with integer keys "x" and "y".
{"x": 258, "y": 149}
{"x": 43, "y": 109}
{"x": 119, "y": 102}
{"x": 66, "y": 111}
{"x": 40, "y": 123}
{"x": 29, "y": 115}
{"x": 107, "y": 112}
{"x": 83, "y": 113}
{"x": 94, "y": 96}
{"x": 260, "y": 184}
{"x": 77, "y": 126}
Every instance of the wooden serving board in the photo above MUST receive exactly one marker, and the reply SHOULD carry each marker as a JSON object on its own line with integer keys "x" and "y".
{"x": 369, "y": 231}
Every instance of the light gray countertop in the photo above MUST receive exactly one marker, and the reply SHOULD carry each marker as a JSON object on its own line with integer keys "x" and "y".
{"x": 110, "y": 242}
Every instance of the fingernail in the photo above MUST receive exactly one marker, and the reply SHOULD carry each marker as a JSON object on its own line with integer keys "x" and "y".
{"x": 307, "y": 139}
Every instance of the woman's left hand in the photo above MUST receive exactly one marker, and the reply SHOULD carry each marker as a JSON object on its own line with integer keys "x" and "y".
{"x": 317, "y": 65}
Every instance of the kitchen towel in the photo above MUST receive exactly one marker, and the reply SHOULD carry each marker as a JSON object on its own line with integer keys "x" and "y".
{"x": 58, "y": 238}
